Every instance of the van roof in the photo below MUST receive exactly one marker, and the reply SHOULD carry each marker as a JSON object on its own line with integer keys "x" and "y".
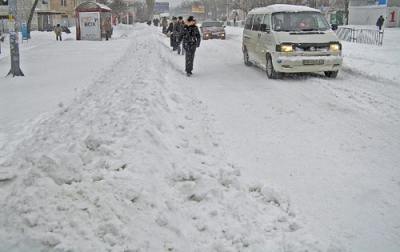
{"x": 282, "y": 8}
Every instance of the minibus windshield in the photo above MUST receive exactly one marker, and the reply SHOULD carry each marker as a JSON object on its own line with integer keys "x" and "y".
{"x": 299, "y": 21}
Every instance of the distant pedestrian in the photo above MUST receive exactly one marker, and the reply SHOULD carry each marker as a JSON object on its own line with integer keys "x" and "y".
{"x": 164, "y": 24}
{"x": 156, "y": 21}
{"x": 107, "y": 27}
{"x": 58, "y": 31}
{"x": 379, "y": 22}
{"x": 191, "y": 40}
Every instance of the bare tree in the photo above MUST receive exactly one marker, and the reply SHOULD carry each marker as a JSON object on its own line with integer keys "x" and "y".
{"x": 150, "y": 9}
{"x": 346, "y": 11}
{"x": 118, "y": 7}
{"x": 31, "y": 12}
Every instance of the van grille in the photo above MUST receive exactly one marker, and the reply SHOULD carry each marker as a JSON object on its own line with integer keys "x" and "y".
{"x": 311, "y": 47}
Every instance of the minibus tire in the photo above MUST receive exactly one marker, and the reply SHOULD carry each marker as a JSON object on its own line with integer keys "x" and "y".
{"x": 331, "y": 74}
{"x": 246, "y": 58}
{"x": 271, "y": 73}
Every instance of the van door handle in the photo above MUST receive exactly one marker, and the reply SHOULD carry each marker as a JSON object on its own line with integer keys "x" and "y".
{"x": 247, "y": 36}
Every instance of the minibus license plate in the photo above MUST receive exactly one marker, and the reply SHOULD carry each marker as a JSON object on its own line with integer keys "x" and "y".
{"x": 313, "y": 62}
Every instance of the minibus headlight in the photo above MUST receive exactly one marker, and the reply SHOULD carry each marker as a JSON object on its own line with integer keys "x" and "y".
{"x": 286, "y": 48}
{"x": 334, "y": 47}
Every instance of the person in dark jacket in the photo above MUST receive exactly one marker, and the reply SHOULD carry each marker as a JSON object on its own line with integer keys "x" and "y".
{"x": 379, "y": 22}
{"x": 191, "y": 40}
{"x": 178, "y": 28}
{"x": 156, "y": 22}
{"x": 170, "y": 29}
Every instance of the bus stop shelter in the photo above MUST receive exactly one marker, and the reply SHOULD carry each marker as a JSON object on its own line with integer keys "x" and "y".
{"x": 89, "y": 19}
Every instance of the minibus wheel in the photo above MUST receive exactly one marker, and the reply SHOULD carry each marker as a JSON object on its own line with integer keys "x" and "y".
{"x": 271, "y": 73}
{"x": 246, "y": 58}
{"x": 331, "y": 74}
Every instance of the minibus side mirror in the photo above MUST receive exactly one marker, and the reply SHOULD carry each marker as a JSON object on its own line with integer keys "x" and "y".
{"x": 334, "y": 27}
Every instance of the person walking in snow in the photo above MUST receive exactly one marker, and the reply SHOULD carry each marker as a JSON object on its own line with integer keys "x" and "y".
{"x": 171, "y": 31}
{"x": 58, "y": 31}
{"x": 164, "y": 24}
{"x": 191, "y": 40}
{"x": 379, "y": 22}
{"x": 178, "y": 28}
{"x": 156, "y": 22}
{"x": 107, "y": 27}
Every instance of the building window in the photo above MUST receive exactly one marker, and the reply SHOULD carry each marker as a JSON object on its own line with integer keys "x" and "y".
{"x": 3, "y": 2}
{"x": 63, "y": 3}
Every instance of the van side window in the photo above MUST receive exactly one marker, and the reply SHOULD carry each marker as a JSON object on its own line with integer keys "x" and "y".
{"x": 257, "y": 22}
{"x": 265, "y": 24}
{"x": 249, "y": 22}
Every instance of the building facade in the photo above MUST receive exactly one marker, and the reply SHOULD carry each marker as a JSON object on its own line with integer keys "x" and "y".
{"x": 367, "y": 12}
{"x": 47, "y": 13}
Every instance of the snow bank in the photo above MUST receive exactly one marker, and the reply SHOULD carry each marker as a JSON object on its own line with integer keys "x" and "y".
{"x": 127, "y": 167}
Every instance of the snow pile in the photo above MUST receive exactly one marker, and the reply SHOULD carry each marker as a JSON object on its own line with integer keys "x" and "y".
{"x": 127, "y": 167}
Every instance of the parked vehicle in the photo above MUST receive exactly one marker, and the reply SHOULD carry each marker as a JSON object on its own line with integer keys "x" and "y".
{"x": 212, "y": 29}
{"x": 50, "y": 28}
{"x": 284, "y": 38}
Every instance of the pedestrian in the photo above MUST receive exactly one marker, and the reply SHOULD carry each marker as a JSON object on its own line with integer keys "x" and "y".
{"x": 170, "y": 29}
{"x": 107, "y": 27}
{"x": 379, "y": 22}
{"x": 58, "y": 31}
{"x": 164, "y": 24}
{"x": 178, "y": 28}
{"x": 191, "y": 40}
{"x": 156, "y": 22}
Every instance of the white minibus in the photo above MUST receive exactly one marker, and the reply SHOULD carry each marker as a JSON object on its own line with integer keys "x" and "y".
{"x": 283, "y": 38}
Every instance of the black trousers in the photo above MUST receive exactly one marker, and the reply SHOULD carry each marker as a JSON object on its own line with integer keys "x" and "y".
{"x": 189, "y": 58}
{"x": 58, "y": 36}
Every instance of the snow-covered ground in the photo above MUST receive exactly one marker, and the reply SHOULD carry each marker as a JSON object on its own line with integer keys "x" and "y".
{"x": 108, "y": 146}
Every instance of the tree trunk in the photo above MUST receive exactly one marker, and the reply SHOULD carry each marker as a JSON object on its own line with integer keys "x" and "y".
{"x": 30, "y": 17}
{"x": 346, "y": 11}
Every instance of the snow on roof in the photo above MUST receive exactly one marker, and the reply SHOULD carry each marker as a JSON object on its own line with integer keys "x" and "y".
{"x": 103, "y": 6}
{"x": 282, "y": 8}
{"x": 89, "y": 5}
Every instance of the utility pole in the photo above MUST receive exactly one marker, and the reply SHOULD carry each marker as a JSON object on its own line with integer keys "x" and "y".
{"x": 14, "y": 47}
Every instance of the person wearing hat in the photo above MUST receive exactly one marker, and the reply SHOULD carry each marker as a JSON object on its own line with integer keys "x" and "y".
{"x": 171, "y": 31}
{"x": 178, "y": 28}
{"x": 191, "y": 40}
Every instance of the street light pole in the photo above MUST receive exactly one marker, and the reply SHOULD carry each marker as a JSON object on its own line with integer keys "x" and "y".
{"x": 14, "y": 47}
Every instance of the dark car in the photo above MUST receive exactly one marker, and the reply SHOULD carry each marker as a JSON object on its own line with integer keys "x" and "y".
{"x": 212, "y": 29}
{"x": 50, "y": 28}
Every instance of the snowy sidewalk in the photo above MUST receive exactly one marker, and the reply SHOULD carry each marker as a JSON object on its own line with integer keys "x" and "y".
{"x": 128, "y": 167}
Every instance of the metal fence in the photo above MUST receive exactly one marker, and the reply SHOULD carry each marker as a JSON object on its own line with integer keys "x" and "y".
{"x": 365, "y": 36}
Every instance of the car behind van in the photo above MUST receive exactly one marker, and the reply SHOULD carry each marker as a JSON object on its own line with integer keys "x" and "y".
{"x": 284, "y": 38}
